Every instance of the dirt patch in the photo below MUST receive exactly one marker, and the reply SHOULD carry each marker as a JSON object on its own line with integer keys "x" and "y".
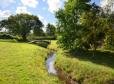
{"x": 65, "y": 77}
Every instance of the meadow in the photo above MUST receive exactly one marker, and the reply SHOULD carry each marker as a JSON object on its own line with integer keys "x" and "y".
{"x": 23, "y": 63}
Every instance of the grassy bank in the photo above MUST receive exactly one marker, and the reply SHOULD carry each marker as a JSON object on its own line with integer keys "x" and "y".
{"x": 85, "y": 68}
{"x": 22, "y": 63}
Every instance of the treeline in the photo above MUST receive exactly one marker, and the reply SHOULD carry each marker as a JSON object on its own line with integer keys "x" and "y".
{"x": 25, "y": 25}
{"x": 85, "y": 25}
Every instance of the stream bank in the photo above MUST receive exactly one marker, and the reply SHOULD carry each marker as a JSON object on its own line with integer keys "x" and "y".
{"x": 50, "y": 65}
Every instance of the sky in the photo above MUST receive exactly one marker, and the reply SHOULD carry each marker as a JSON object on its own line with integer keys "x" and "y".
{"x": 44, "y": 9}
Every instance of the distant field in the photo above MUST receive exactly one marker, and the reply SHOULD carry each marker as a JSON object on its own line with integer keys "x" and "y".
{"x": 22, "y": 63}
{"x": 85, "y": 68}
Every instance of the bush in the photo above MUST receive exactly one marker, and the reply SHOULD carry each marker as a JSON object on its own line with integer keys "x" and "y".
{"x": 109, "y": 42}
{"x": 42, "y": 37}
{"x": 6, "y": 36}
{"x": 41, "y": 43}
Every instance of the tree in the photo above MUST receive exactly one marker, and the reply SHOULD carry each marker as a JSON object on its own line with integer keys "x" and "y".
{"x": 38, "y": 32}
{"x": 93, "y": 23}
{"x": 51, "y": 30}
{"x": 22, "y": 24}
{"x": 109, "y": 32}
{"x": 82, "y": 25}
{"x": 69, "y": 21}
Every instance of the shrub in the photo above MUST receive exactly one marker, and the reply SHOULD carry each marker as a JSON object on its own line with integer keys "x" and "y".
{"x": 42, "y": 37}
{"x": 41, "y": 43}
{"x": 6, "y": 36}
{"x": 109, "y": 42}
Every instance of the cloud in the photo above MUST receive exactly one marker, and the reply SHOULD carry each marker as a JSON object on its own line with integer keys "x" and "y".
{"x": 22, "y": 9}
{"x": 30, "y": 3}
{"x": 4, "y": 14}
{"x": 6, "y": 3}
{"x": 104, "y": 3}
{"x": 107, "y": 4}
{"x": 40, "y": 17}
{"x": 54, "y": 5}
{"x": 44, "y": 21}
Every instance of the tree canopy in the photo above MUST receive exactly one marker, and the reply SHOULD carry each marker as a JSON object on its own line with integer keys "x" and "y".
{"x": 22, "y": 24}
{"x": 83, "y": 25}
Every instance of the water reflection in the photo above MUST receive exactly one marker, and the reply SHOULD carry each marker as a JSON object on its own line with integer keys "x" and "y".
{"x": 50, "y": 64}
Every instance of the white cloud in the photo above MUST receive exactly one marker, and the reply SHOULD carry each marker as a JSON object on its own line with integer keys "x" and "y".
{"x": 45, "y": 24}
{"x": 30, "y": 3}
{"x": 40, "y": 17}
{"x": 104, "y": 3}
{"x": 43, "y": 20}
{"x": 4, "y": 30}
{"x": 54, "y": 23}
{"x": 54, "y": 5}
{"x": 22, "y": 9}
{"x": 6, "y": 3}
{"x": 4, "y": 14}
{"x": 107, "y": 4}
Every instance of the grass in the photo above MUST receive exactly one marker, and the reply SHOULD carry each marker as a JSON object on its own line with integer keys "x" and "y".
{"x": 22, "y": 63}
{"x": 53, "y": 45}
{"x": 85, "y": 68}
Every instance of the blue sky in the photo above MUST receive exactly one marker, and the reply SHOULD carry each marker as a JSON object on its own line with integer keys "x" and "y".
{"x": 44, "y": 9}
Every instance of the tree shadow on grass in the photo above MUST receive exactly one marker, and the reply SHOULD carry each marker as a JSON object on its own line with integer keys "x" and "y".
{"x": 100, "y": 57}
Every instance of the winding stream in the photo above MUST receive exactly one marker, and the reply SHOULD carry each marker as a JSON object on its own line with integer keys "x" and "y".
{"x": 52, "y": 70}
{"x": 50, "y": 64}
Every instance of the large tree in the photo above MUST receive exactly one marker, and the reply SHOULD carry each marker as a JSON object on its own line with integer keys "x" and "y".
{"x": 22, "y": 24}
{"x": 93, "y": 21}
{"x": 82, "y": 25}
{"x": 69, "y": 21}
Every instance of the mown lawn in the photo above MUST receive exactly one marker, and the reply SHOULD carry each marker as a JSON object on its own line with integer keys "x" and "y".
{"x": 22, "y": 63}
{"x": 85, "y": 68}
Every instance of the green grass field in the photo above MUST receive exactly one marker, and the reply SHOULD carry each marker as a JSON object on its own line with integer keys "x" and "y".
{"x": 22, "y": 63}
{"x": 85, "y": 68}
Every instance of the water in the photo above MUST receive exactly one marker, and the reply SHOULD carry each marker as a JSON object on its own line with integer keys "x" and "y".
{"x": 61, "y": 75}
{"x": 50, "y": 64}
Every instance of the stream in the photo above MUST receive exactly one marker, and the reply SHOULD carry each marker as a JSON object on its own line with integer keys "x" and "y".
{"x": 58, "y": 72}
{"x": 50, "y": 64}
